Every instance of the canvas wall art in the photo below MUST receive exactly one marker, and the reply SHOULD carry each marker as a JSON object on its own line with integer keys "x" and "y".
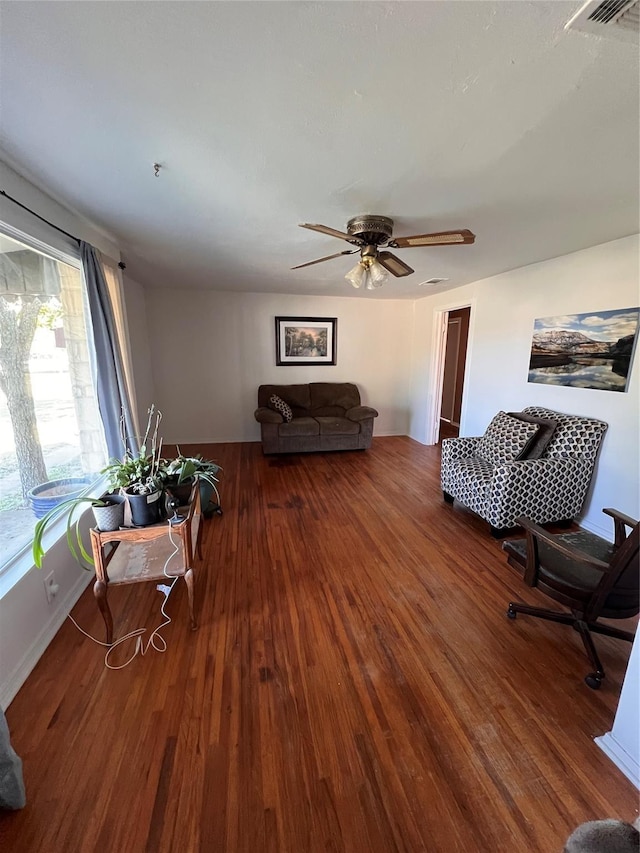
{"x": 585, "y": 350}
{"x": 306, "y": 340}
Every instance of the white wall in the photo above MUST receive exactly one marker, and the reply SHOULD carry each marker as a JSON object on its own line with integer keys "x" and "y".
{"x": 28, "y": 622}
{"x": 136, "y": 311}
{"x": 28, "y": 194}
{"x": 210, "y": 351}
{"x": 622, "y": 743}
{"x": 504, "y": 308}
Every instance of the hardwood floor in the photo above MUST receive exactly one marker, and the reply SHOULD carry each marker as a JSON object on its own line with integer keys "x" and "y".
{"x": 354, "y": 685}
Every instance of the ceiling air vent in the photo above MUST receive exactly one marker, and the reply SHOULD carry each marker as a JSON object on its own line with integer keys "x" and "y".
{"x": 433, "y": 281}
{"x": 614, "y": 18}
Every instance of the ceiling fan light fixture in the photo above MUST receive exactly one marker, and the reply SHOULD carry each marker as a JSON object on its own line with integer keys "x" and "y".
{"x": 368, "y": 233}
{"x": 356, "y": 276}
{"x": 377, "y": 275}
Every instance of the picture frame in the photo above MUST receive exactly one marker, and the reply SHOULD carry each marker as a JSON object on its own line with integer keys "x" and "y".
{"x": 592, "y": 350}
{"x": 306, "y": 341}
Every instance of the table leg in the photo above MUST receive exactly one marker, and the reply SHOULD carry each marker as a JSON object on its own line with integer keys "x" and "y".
{"x": 190, "y": 581}
{"x": 100, "y": 593}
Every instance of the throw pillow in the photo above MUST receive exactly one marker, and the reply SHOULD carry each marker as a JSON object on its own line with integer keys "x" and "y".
{"x": 538, "y": 444}
{"x": 279, "y": 405}
{"x": 505, "y": 439}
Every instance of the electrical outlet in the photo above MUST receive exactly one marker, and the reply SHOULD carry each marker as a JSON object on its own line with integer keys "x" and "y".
{"x": 51, "y": 587}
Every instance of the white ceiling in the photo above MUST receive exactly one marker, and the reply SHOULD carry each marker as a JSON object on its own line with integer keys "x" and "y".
{"x": 442, "y": 115}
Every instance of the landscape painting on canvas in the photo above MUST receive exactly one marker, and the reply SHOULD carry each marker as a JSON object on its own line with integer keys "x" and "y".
{"x": 585, "y": 350}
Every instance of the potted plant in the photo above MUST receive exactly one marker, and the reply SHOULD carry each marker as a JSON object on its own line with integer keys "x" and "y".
{"x": 140, "y": 476}
{"x": 46, "y": 496}
{"x": 108, "y": 512}
{"x": 179, "y": 475}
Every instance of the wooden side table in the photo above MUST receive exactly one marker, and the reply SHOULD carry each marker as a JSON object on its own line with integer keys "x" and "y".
{"x": 141, "y": 553}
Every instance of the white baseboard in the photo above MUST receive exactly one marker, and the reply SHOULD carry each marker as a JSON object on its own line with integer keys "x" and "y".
{"x": 9, "y": 689}
{"x": 620, "y": 757}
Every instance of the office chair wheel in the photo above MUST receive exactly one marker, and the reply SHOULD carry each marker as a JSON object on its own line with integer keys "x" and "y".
{"x": 594, "y": 680}
{"x": 511, "y": 613}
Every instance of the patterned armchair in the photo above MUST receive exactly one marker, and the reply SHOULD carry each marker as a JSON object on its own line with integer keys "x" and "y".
{"x": 550, "y": 488}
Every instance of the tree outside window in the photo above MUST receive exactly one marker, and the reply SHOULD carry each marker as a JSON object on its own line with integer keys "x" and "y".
{"x": 49, "y": 423}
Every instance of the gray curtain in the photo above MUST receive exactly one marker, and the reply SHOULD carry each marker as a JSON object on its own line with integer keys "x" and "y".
{"x": 12, "y": 794}
{"x": 113, "y": 400}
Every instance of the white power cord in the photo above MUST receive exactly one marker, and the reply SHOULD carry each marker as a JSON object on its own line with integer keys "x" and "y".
{"x": 155, "y": 636}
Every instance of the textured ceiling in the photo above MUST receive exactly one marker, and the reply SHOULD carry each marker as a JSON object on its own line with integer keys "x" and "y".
{"x": 480, "y": 115}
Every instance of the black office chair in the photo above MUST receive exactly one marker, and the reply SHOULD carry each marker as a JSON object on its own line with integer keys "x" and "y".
{"x": 592, "y": 577}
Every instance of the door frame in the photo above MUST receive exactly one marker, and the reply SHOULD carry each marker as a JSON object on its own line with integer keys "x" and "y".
{"x": 439, "y": 344}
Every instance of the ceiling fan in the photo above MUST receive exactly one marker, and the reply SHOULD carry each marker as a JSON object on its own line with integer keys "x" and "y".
{"x": 368, "y": 232}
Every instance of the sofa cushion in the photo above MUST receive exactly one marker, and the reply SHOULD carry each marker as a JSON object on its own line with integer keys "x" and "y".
{"x": 344, "y": 395}
{"x": 337, "y": 426}
{"x": 279, "y": 405}
{"x": 328, "y": 412}
{"x": 300, "y": 426}
{"x": 505, "y": 439}
{"x": 536, "y": 447}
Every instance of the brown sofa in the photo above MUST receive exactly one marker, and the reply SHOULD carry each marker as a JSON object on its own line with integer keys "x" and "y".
{"x": 326, "y": 416}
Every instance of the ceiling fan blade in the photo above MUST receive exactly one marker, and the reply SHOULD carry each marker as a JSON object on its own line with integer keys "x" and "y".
{"x": 327, "y": 258}
{"x": 393, "y": 263}
{"x": 440, "y": 238}
{"x": 324, "y": 229}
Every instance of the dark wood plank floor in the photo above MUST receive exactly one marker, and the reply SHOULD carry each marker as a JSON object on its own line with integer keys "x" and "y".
{"x": 354, "y": 686}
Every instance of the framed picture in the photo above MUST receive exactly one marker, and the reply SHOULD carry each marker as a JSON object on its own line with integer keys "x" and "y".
{"x": 306, "y": 340}
{"x": 592, "y": 350}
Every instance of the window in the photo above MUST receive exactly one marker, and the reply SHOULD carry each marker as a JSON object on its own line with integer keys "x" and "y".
{"x": 50, "y": 429}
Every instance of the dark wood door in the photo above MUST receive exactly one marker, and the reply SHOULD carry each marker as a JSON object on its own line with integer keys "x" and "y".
{"x": 453, "y": 378}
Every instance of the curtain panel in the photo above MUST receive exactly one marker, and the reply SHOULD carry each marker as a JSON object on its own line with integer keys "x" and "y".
{"x": 111, "y": 383}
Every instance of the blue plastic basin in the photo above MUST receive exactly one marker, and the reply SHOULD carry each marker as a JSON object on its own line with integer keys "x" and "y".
{"x": 44, "y": 497}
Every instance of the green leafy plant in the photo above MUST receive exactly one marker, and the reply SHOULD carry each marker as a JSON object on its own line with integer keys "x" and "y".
{"x": 143, "y": 472}
{"x": 186, "y": 467}
{"x": 74, "y": 538}
{"x": 183, "y": 468}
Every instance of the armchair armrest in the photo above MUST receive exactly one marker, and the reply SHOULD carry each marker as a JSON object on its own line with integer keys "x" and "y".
{"x": 459, "y": 448}
{"x": 536, "y": 534}
{"x": 265, "y": 415}
{"x": 620, "y": 521}
{"x": 361, "y": 413}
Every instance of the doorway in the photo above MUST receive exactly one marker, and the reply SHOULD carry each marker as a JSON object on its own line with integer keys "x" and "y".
{"x": 455, "y": 357}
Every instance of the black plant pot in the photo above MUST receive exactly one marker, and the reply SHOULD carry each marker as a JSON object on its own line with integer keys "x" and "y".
{"x": 145, "y": 509}
{"x": 180, "y": 493}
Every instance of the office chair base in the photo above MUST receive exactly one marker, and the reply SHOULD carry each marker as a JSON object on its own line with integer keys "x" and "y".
{"x": 593, "y": 679}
